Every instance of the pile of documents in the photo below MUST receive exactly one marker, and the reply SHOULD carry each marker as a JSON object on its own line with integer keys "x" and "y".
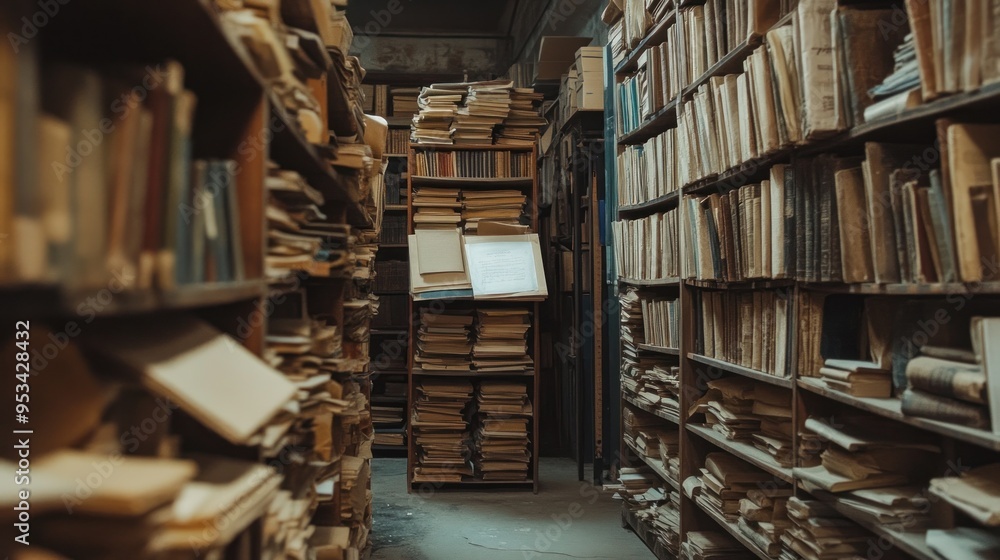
{"x": 975, "y": 492}
{"x": 404, "y": 102}
{"x": 742, "y": 409}
{"x": 666, "y": 519}
{"x": 501, "y": 343}
{"x": 486, "y": 106}
{"x": 441, "y": 430}
{"x": 524, "y": 120}
{"x": 865, "y": 452}
{"x": 701, "y": 545}
{"x": 436, "y": 208}
{"x": 504, "y": 206}
{"x": 819, "y": 531}
{"x": 502, "y": 443}
{"x": 725, "y": 480}
{"x": 438, "y": 106}
{"x": 444, "y": 342}
{"x": 857, "y": 378}
{"x": 299, "y": 236}
{"x": 764, "y": 517}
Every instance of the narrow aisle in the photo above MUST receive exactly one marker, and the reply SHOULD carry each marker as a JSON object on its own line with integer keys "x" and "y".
{"x": 567, "y": 519}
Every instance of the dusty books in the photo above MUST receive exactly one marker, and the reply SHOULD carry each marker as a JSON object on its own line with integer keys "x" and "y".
{"x": 503, "y": 206}
{"x": 746, "y": 328}
{"x": 726, "y": 480}
{"x": 524, "y": 120}
{"x": 487, "y": 104}
{"x": 700, "y": 545}
{"x": 661, "y": 322}
{"x": 469, "y": 113}
{"x": 441, "y": 430}
{"x": 648, "y": 172}
{"x": 436, "y": 208}
{"x": 404, "y": 102}
{"x": 473, "y": 164}
{"x": 648, "y": 248}
{"x": 501, "y": 439}
{"x": 857, "y": 378}
{"x": 438, "y": 107}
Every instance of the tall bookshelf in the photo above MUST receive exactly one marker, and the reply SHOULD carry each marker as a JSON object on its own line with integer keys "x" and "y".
{"x": 528, "y": 185}
{"x": 240, "y": 119}
{"x": 819, "y": 314}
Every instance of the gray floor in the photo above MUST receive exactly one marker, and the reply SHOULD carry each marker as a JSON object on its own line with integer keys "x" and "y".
{"x": 566, "y": 519}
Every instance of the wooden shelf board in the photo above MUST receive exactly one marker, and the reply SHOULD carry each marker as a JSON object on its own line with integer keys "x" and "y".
{"x": 741, "y": 285}
{"x": 936, "y": 289}
{"x": 396, "y": 155}
{"x": 660, "y": 349}
{"x": 658, "y": 469}
{"x": 650, "y": 409}
{"x": 470, "y": 147}
{"x": 665, "y": 282}
{"x": 658, "y": 122}
{"x": 734, "y": 530}
{"x": 395, "y": 208}
{"x": 744, "y": 451}
{"x": 393, "y": 245}
{"x": 390, "y": 331}
{"x": 665, "y": 202}
{"x": 473, "y": 181}
{"x": 785, "y": 382}
{"x": 891, "y": 408}
{"x": 471, "y": 374}
{"x": 656, "y": 35}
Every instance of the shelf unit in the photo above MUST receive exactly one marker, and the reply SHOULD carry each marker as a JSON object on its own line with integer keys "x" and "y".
{"x": 239, "y": 118}
{"x": 809, "y": 395}
{"x": 529, "y": 186}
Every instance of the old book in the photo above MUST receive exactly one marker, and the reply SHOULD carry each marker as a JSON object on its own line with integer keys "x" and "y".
{"x": 986, "y": 342}
{"x": 919, "y": 14}
{"x": 970, "y": 149}
{"x": 881, "y": 160}
{"x": 918, "y": 244}
{"x": 832, "y": 482}
{"x": 941, "y": 220}
{"x": 786, "y": 83}
{"x": 180, "y": 359}
{"x": 815, "y": 51}
{"x": 975, "y": 492}
{"x": 868, "y": 54}
{"x": 948, "y": 378}
{"x": 855, "y": 243}
{"x": 944, "y": 409}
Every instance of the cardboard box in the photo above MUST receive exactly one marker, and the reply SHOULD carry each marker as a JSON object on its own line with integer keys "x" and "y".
{"x": 590, "y": 59}
{"x": 556, "y": 54}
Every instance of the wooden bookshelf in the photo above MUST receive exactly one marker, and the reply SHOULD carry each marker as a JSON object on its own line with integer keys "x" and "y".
{"x": 809, "y": 395}
{"x": 529, "y": 186}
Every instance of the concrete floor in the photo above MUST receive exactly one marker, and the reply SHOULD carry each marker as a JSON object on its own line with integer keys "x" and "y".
{"x": 566, "y": 519}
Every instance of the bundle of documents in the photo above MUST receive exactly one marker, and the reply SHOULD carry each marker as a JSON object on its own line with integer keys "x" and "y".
{"x": 437, "y": 263}
{"x": 648, "y": 172}
{"x": 857, "y": 378}
{"x": 745, "y": 410}
{"x": 404, "y": 102}
{"x": 438, "y": 107}
{"x": 639, "y": 486}
{"x": 865, "y": 452}
{"x": 444, "y": 342}
{"x": 502, "y": 442}
{"x": 818, "y": 531}
{"x": 975, "y": 492}
{"x": 441, "y": 430}
{"x": 725, "y": 480}
{"x": 764, "y": 518}
{"x": 486, "y": 106}
{"x": 714, "y": 545}
{"x": 524, "y": 120}
{"x": 436, "y": 208}
{"x": 648, "y": 248}
{"x": 661, "y": 322}
{"x": 390, "y": 438}
{"x": 501, "y": 341}
{"x": 903, "y": 508}
{"x": 666, "y": 519}
{"x": 503, "y": 206}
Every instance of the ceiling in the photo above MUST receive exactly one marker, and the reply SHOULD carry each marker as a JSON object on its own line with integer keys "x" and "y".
{"x": 440, "y": 18}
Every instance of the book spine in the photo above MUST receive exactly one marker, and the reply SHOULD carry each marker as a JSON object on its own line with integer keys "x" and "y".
{"x": 957, "y": 380}
{"x": 943, "y": 409}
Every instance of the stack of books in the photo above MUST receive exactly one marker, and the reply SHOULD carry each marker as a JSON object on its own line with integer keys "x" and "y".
{"x": 444, "y": 342}
{"x": 438, "y": 107}
{"x": 436, "y": 208}
{"x": 523, "y": 122}
{"x": 441, "y": 430}
{"x": 502, "y": 442}
{"x": 501, "y": 343}
{"x": 504, "y": 206}
{"x": 486, "y": 106}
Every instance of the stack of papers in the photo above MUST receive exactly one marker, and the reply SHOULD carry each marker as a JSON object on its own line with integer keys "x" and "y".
{"x": 504, "y": 206}
{"x": 818, "y": 531}
{"x": 522, "y": 124}
{"x": 502, "y": 443}
{"x": 438, "y": 106}
{"x": 444, "y": 342}
{"x": 865, "y": 453}
{"x": 436, "y": 208}
{"x": 437, "y": 263}
{"x": 726, "y": 480}
{"x": 486, "y": 106}
{"x": 502, "y": 341}
{"x": 404, "y": 102}
{"x": 440, "y": 430}
{"x": 714, "y": 545}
